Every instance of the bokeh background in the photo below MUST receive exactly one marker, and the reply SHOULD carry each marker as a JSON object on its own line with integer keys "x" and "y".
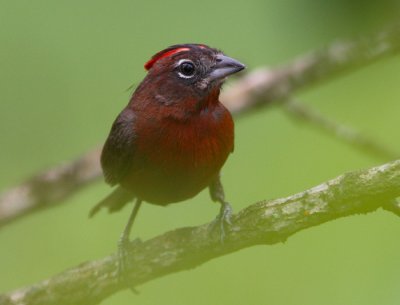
{"x": 64, "y": 70}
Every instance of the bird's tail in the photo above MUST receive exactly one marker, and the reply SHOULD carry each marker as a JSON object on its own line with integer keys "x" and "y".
{"x": 114, "y": 202}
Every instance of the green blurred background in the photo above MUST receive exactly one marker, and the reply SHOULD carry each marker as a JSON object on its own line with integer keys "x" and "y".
{"x": 64, "y": 70}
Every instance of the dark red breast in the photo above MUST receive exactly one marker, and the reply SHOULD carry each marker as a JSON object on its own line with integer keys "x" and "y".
{"x": 178, "y": 158}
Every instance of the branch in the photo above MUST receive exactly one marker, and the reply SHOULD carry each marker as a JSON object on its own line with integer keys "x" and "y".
{"x": 340, "y": 131}
{"x": 265, "y": 222}
{"x": 49, "y": 188}
{"x": 265, "y": 86}
{"x": 258, "y": 89}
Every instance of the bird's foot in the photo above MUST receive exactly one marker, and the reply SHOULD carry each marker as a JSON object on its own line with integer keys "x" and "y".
{"x": 223, "y": 220}
{"x": 124, "y": 246}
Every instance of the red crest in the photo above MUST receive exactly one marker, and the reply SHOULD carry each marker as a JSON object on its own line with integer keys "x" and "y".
{"x": 163, "y": 54}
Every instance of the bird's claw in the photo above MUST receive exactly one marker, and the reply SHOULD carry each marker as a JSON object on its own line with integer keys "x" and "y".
{"x": 223, "y": 220}
{"x": 124, "y": 246}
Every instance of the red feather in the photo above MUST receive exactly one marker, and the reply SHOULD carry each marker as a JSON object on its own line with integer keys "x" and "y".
{"x": 162, "y": 54}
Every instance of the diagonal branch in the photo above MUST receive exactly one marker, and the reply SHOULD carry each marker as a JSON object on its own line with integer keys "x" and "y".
{"x": 50, "y": 187}
{"x": 257, "y": 89}
{"x": 345, "y": 133}
{"x": 265, "y": 222}
{"x": 265, "y": 86}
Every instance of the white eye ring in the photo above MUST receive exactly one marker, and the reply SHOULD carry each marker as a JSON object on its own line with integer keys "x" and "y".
{"x": 182, "y": 75}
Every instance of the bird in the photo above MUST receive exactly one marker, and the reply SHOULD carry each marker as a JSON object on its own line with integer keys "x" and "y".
{"x": 171, "y": 140}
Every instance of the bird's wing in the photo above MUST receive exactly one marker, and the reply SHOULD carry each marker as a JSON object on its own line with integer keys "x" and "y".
{"x": 119, "y": 149}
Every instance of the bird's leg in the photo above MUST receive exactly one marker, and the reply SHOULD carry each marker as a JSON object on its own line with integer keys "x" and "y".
{"x": 223, "y": 219}
{"x": 124, "y": 243}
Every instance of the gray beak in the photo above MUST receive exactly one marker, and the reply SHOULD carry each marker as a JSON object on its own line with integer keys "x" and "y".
{"x": 225, "y": 66}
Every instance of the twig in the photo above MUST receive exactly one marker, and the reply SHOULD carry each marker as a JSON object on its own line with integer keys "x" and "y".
{"x": 266, "y": 222}
{"x": 257, "y": 89}
{"x": 340, "y": 131}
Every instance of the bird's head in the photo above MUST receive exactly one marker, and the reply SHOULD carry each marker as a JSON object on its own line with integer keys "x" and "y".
{"x": 188, "y": 71}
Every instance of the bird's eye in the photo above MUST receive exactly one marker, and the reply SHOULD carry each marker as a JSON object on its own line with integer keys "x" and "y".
{"x": 186, "y": 69}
